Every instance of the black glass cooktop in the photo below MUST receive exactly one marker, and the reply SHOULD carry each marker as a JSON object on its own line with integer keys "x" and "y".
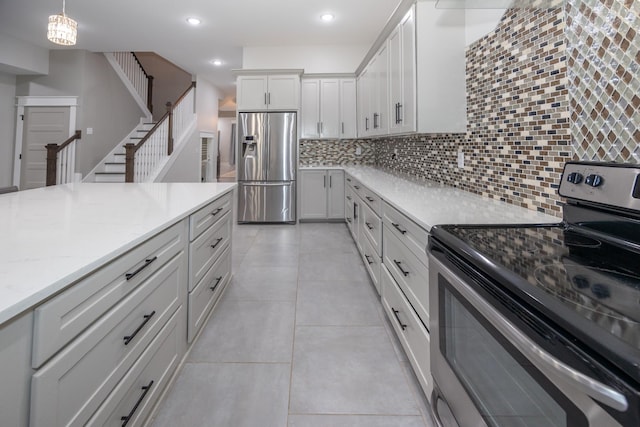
{"x": 595, "y": 280}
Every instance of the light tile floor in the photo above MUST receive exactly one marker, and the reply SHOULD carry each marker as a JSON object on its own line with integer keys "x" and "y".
{"x": 299, "y": 339}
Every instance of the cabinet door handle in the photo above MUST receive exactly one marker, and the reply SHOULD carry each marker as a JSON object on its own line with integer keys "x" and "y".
{"x": 400, "y": 113}
{"x": 217, "y": 211}
{"x": 368, "y": 260}
{"x": 147, "y": 263}
{"x": 265, "y": 98}
{"x": 269, "y": 98}
{"x": 369, "y": 226}
{"x": 366, "y": 123}
{"x": 330, "y": 181}
{"x": 375, "y": 120}
{"x": 342, "y": 127}
{"x": 217, "y": 242}
{"x": 399, "y": 264}
{"x": 396, "y": 112}
{"x": 371, "y": 199}
{"x": 395, "y": 313}
{"x": 324, "y": 181}
{"x": 397, "y": 227}
{"x": 145, "y": 390}
{"x": 318, "y": 128}
{"x": 218, "y": 279}
{"x": 146, "y": 317}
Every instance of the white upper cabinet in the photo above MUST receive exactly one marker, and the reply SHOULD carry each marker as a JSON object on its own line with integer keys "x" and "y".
{"x": 402, "y": 76}
{"x": 268, "y": 92}
{"x": 373, "y": 96}
{"x": 328, "y": 108}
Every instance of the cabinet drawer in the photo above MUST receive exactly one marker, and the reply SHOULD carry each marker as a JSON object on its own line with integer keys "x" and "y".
{"x": 207, "y": 216}
{"x": 410, "y": 331}
{"x": 409, "y": 233}
{"x": 62, "y": 318}
{"x": 409, "y": 272}
{"x": 372, "y": 200}
{"x": 349, "y": 180}
{"x": 348, "y": 207}
{"x": 136, "y": 394}
{"x": 372, "y": 228}
{"x": 206, "y": 293}
{"x": 207, "y": 248}
{"x": 372, "y": 262}
{"x": 72, "y": 385}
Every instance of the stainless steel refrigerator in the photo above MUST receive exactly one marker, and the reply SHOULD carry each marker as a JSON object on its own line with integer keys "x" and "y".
{"x": 266, "y": 167}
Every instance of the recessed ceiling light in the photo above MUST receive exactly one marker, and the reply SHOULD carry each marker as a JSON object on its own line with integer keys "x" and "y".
{"x": 327, "y": 17}
{"x": 193, "y": 21}
{"x": 216, "y": 62}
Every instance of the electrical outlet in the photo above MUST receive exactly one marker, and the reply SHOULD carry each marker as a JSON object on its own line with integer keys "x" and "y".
{"x": 460, "y": 159}
{"x": 89, "y": 131}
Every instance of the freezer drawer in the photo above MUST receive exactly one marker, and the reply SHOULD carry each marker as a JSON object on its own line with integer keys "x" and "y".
{"x": 266, "y": 202}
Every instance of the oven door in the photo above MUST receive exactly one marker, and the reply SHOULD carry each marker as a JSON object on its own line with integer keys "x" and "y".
{"x": 487, "y": 372}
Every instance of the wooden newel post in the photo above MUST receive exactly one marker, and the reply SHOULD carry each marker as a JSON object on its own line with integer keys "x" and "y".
{"x": 150, "y": 93}
{"x": 52, "y": 163}
{"x": 130, "y": 156}
{"x": 170, "y": 118}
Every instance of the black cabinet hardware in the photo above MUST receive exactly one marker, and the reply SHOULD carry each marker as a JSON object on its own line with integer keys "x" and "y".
{"x": 375, "y": 120}
{"x": 348, "y": 197}
{"x": 218, "y": 279}
{"x": 324, "y": 181}
{"x": 369, "y": 226}
{"x": 217, "y": 243}
{"x": 147, "y": 317}
{"x": 330, "y": 182}
{"x": 371, "y": 199}
{"x": 217, "y": 211}
{"x": 145, "y": 390}
{"x": 397, "y": 227}
{"x": 399, "y": 264}
{"x": 395, "y": 313}
{"x": 147, "y": 263}
{"x": 368, "y": 260}
{"x": 356, "y": 187}
{"x": 348, "y": 179}
{"x": 366, "y": 123}
{"x": 349, "y": 220}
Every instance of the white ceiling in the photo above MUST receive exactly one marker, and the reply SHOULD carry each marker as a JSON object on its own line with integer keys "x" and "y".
{"x": 227, "y": 25}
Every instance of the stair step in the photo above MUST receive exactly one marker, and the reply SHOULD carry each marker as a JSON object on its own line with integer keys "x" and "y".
{"x": 118, "y": 167}
{"x": 109, "y": 177}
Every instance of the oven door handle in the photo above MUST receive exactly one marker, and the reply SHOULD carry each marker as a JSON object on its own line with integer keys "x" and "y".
{"x": 591, "y": 387}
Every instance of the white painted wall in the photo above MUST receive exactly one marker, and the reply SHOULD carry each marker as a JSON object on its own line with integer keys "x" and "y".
{"x": 479, "y": 22}
{"x": 207, "y": 97}
{"x": 187, "y": 165}
{"x": 313, "y": 59}
{"x": 7, "y": 125}
{"x": 19, "y": 57}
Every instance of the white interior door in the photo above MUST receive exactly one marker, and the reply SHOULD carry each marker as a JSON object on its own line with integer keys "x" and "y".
{"x": 42, "y": 126}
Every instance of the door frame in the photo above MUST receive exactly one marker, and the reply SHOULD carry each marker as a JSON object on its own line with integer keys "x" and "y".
{"x": 38, "y": 101}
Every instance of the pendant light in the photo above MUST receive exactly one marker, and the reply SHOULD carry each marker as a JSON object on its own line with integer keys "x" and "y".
{"x": 62, "y": 29}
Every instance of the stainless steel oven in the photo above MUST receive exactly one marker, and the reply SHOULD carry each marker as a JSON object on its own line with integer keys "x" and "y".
{"x": 539, "y": 325}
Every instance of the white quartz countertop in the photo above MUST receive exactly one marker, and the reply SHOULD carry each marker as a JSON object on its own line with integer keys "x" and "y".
{"x": 429, "y": 203}
{"x": 51, "y": 237}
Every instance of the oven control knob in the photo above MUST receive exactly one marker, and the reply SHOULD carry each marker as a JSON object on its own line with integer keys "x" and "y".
{"x": 601, "y": 291}
{"x": 574, "y": 178}
{"x": 581, "y": 282}
{"x": 594, "y": 180}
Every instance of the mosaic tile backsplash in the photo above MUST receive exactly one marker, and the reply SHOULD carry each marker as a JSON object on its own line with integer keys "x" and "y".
{"x": 333, "y": 152}
{"x": 537, "y": 96}
{"x": 604, "y": 74}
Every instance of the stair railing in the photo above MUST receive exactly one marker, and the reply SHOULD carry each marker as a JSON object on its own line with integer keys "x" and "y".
{"x": 61, "y": 161}
{"x": 141, "y": 159}
{"x": 135, "y": 72}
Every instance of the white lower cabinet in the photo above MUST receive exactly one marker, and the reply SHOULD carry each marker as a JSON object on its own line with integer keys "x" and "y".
{"x": 410, "y": 330}
{"x": 372, "y": 262}
{"x": 322, "y": 194}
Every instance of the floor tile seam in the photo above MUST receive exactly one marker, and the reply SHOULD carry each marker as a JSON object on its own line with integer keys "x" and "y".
{"x": 293, "y": 340}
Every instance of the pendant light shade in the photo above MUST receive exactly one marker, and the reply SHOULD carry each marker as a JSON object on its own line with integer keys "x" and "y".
{"x": 62, "y": 30}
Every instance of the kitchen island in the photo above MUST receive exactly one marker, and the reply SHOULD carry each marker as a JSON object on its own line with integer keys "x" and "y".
{"x": 79, "y": 265}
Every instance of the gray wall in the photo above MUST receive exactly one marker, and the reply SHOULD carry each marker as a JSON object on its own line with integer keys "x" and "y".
{"x": 104, "y": 103}
{"x": 187, "y": 165}
{"x": 7, "y": 126}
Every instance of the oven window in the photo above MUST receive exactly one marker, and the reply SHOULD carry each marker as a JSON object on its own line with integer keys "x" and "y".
{"x": 506, "y": 389}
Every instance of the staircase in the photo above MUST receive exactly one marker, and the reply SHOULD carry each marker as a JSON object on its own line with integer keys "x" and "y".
{"x": 112, "y": 169}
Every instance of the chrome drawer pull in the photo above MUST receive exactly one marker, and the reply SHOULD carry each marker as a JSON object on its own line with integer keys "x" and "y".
{"x": 371, "y": 199}
{"x": 217, "y": 211}
{"x": 217, "y": 242}
{"x": 369, "y": 226}
{"x": 218, "y": 279}
{"x": 399, "y": 264}
{"x": 397, "y": 227}
{"x": 147, "y": 317}
{"x": 145, "y": 390}
{"x": 368, "y": 260}
{"x": 356, "y": 187}
{"x": 395, "y": 313}
{"x": 147, "y": 263}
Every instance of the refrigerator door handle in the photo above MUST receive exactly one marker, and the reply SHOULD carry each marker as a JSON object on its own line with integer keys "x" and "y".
{"x": 266, "y": 184}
